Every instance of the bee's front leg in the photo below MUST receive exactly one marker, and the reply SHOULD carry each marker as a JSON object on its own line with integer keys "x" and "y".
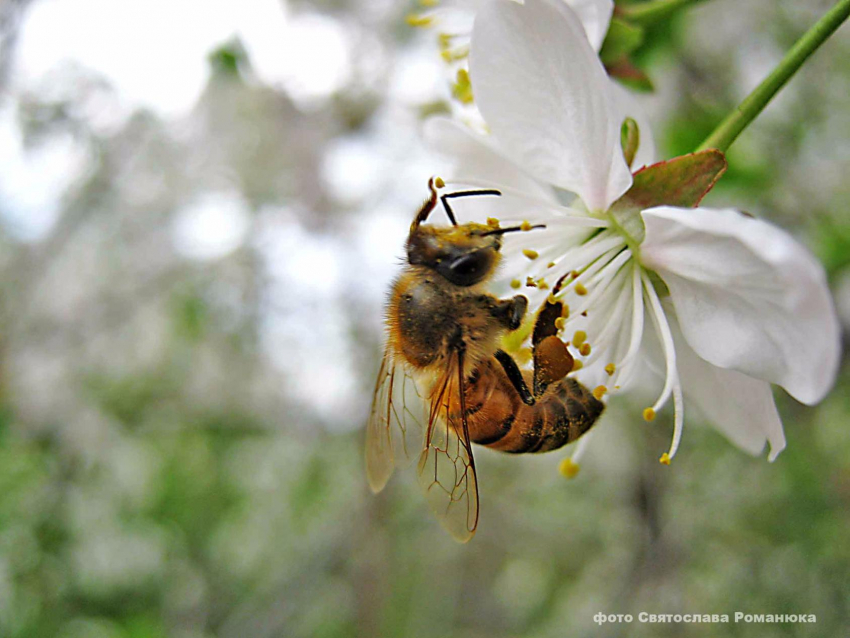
{"x": 510, "y": 312}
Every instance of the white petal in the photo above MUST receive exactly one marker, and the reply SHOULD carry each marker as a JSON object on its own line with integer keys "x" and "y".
{"x": 475, "y": 156}
{"x": 545, "y": 95}
{"x": 627, "y": 105}
{"x": 595, "y": 16}
{"x": 741, "y": 407}
{"x": 748, "y": 296}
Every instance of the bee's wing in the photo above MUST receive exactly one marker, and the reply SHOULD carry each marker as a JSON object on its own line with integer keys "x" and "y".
{"x": 446, "y": 466}
{"x": 397, "y": 422}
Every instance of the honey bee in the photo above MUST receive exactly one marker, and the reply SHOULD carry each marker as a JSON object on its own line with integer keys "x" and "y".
{"x": 444, "y": 383}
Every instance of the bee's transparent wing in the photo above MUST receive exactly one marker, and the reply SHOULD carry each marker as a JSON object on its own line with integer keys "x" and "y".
{"x": 397, "y": 422}
{"x": 446, "y": 465}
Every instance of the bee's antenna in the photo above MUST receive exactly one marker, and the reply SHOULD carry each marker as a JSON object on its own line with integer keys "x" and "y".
{"x": 511, "y": 229}
{"x": 450, "y": 212}
{"x": 433, "y": 184}
{"x": 428, "y": 206}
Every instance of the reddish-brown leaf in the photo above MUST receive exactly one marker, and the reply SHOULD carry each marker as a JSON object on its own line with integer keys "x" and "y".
{"x": 681, "y": 181}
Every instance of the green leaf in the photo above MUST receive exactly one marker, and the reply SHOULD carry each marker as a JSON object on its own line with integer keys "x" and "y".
{"x": 682, "y": 181}
{"x": 622, "y": 39}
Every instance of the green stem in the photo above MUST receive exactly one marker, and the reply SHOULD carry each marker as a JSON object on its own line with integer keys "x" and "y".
{"x": 646, "y": 13}
{"x": 729, "y": 129}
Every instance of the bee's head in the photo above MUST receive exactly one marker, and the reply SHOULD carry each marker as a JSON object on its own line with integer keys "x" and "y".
{"x": 464, "y": 255}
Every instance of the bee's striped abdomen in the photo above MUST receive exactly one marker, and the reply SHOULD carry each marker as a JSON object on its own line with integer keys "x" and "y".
{"x": 499, "y": 419}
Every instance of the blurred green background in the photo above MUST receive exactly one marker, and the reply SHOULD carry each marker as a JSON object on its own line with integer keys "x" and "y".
{"x": 201, "y": 206}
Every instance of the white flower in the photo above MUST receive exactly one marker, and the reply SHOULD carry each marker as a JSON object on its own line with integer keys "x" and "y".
{"x": 734, "y": 303}
{"x": 454, "y": 19}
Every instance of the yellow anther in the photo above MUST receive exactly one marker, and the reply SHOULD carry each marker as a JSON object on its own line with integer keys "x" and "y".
{"x": 515, "y": 283}
{"x": 565, "y": 313}
{"x": 552, "y": 299}
{"x": 559, "y": 323}
{"x": 429, "y": 3}
{"x": 584, "y": 349}
{"x": 610, "y": 368}
{"x": 531, "y": 254}
{"x": 462, "y": 89}
{"x": 649, "y": 414}
{"x": 580, "y": 289}
{"x": 551, "y": 264}
{"x": 541, "y": 283}
{"x": 574, "y": 274}
{"x": 415, "y": 20}
{"x": 579, "y": 338}
{"x": 529, "y": 281}
{"x": 438, "y": 182}
{"x": 665, "y": 459}
{"x": 599, "y": 392}
{"x": 450, "y": 55}
{"x": 525, "y": 225}
{"x": 445, "y": 40}
{"x": 568, "y": 468}
{"x": 577, "y": 365}
{"x": 492, "y": 222}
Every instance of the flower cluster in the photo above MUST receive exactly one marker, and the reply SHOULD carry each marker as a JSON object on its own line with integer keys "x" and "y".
{"x": 719, "y": 304}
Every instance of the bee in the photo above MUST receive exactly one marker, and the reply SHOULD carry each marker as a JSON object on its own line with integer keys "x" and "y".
{"x": 444, "y": 383}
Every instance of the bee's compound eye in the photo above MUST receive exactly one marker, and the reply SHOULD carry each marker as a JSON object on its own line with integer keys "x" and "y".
{"x": 467, "y": 269}
{"x": 466, "y": 266}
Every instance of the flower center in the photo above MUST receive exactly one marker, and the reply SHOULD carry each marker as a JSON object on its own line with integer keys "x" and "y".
{"x": 610, "y": 295}
{"x": 630, "y": 225}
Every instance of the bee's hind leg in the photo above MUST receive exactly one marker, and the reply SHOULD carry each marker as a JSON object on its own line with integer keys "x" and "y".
{"x": 515, "y": 376}
{"x": 552, "y": 360}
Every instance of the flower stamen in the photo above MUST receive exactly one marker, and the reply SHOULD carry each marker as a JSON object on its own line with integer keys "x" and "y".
{"x": 568, "y": 468}
{"x": 453, "y": 55}
{"x": 636, "y": 333}
{"x": 662, "y": 329}
{"x": 614, "y": 317}
{"x": 601, "y": 279}
{"x": 419, "y": 20}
